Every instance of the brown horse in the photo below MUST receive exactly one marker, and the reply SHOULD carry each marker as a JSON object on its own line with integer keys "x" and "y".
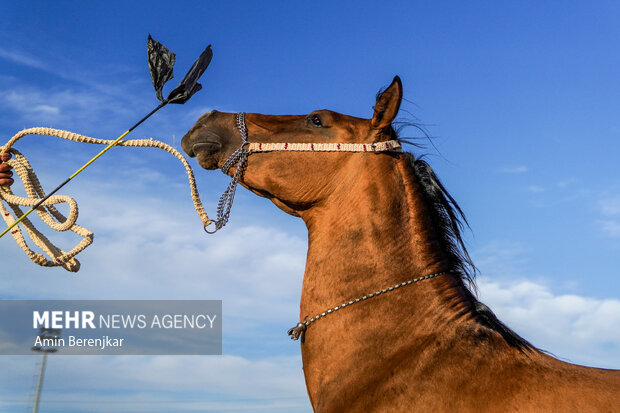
{"x": 375, "y": 220}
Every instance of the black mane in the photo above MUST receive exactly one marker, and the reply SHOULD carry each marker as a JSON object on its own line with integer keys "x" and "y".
{"x": 449, "y": 221}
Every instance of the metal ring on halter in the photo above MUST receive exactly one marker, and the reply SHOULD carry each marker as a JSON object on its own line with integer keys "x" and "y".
{"x": 211, "y": 232}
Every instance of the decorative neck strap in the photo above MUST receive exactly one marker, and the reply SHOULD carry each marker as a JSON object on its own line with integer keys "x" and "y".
{"x": 299, "y": 330}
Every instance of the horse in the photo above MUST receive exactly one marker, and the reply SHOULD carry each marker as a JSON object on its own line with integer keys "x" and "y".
{"x": 389, "y": 322}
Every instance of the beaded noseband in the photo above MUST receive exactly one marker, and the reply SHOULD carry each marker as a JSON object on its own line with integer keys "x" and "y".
{"x": 240, "y": 158}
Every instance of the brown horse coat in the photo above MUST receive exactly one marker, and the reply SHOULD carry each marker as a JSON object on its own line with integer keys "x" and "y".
{"x": 375, "y": 220}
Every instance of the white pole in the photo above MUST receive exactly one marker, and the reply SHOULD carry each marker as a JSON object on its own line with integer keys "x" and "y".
{"x": 35, "y": 409}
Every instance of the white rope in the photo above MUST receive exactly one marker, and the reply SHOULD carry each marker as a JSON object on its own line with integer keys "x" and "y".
{"x": 49, "y": 214}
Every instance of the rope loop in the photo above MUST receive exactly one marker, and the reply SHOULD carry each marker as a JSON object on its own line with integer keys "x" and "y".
{"x": 48, "y": 212}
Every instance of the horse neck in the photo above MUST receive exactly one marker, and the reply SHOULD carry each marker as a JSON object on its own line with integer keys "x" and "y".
{"x": 373, "y": 232}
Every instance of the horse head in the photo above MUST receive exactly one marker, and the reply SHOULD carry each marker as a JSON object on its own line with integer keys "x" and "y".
{"x": 293, "y": 180}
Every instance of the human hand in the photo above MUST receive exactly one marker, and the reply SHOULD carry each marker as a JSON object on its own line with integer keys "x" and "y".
{"x": 5, "y": 170}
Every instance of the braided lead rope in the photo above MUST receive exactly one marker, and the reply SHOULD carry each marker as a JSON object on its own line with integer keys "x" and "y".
{"x": 61, "y": 223}
{"x": 50, "y": 215}
{"x": 326, "y": 147}
{"x": 300, "y": 329}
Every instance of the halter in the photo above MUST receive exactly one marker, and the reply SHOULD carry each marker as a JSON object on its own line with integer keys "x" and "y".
{"x": 240, "y": 158}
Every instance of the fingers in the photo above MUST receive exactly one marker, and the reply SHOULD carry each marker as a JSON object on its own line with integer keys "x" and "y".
{"x": 5, "y": 170}
{"x": 5, "y": 178}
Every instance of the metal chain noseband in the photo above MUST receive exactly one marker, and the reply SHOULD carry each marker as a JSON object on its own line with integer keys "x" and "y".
{"x": 300, "y": 329}
{"x": 239, "y": 158}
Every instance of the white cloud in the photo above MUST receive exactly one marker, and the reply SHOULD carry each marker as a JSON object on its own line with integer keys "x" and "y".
{"x": 500, "y": 257}
{"x": 59, "y": 66}
{"x": 42, "y": 107}
{"x": 46, "y": 110}
{"x": 97, "y": 110}
{"x": 21, "y": 58}
{"x": 78, "y": 99}
{"x": 518, "y": 169}
{"x": 610, "y": 227}
{"x": 580, "y": 329}
{"x": 194, "y": 114}
{"x": 610, "y": 206}
{"x": 535, "y": 188}
{"x": 565, "y": 183}
{"x": 161, "y": 384}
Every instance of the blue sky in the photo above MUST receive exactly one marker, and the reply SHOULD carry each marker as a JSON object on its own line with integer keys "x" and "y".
{"x": 523, "y": 102}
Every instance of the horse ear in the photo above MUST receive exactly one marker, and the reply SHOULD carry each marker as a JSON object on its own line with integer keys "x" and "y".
{"x": 387, "y": 105}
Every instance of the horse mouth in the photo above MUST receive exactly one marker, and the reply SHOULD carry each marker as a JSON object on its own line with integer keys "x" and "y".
{"x": 204, "y": 153}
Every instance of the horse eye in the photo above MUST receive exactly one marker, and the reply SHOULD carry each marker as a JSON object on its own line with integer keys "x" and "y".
{"x": 316, "y": 120}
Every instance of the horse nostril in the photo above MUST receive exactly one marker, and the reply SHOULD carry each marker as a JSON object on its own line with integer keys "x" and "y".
{"x": 206, "y": 147}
